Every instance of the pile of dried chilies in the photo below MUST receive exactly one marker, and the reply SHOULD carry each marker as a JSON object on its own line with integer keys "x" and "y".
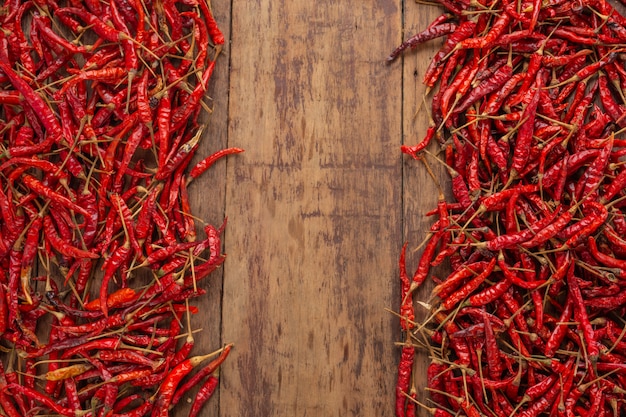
{"x": 99, "y": 108}
{"x": 529, "y": 109}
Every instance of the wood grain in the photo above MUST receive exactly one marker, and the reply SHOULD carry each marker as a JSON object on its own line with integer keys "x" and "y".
{"x": 207, "y": 197}
{"x": 420, "y": 191}
{"x": 314, "y": 208}
{"x": 318, "y": 206}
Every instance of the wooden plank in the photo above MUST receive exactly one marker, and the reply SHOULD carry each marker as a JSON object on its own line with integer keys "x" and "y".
{"x": 314, "y": 208}
{"x": 420, "y": 191}
{"x": 207, "y": 197}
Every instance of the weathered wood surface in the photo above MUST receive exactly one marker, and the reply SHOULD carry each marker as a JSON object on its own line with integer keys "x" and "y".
{"x": 318, "y": 206}
{"x": 420, "y": 192}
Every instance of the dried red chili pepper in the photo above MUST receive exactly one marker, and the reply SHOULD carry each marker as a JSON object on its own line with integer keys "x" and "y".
{"x": 204, "y": 393}
{"x": 405, "y": 370}
{"x": 44, "y": 113}
{"x": 497, "y": 29}
{"x": 206, "y": 163}
{"x": 62, "y": 246}
{"x": 467, "y": 289}
{"x": 432, "y": 32}
{"x": 488, "y": 86}
{"x": 463, "y": 31}
{"x": 170, "y": 383}
{"x": 47, "y": 402}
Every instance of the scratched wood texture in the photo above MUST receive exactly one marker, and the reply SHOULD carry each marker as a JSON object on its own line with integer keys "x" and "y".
{"x": 318, "y": 205}
{"x": 420, "y": 191}
{"x": 208, "y": 199}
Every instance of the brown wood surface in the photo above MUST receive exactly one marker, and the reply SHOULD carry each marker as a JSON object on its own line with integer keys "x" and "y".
{"x": 318, "y": 206}
{"x": 420, "y": 191}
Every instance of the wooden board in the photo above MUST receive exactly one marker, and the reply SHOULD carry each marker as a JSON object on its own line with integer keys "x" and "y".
{"x": 210, "y": 206}
{"x": 420, "y": 190}
{"x": 318, "y": 206}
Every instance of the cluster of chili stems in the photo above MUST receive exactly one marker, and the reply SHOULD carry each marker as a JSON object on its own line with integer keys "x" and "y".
{"x": 527, "y": 315}
{"x": 99, "y": 253}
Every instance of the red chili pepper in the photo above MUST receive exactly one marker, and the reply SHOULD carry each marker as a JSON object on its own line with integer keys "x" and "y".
{"x": 617, "y": 243}
{"x": 595, "y": 215}
{"x": 128, "y": 44}
{"x": 489, "y": 294}
{"x": 29, "y": 253}
{"x": 125, "y": 356}
{"x": 415, "y": 150}
{"x": 580, "y": 313}
{"x": 47, "y": 402}
{"x": 110, "y": 74}
{"x": 127, "y": 218}
{"x": 459, "y": 276}
{"x": 463, "y": 31}
{"x": 183, "y": 114}
{"x": 452, "y": 248}
{"x": 43, "y": 190}
{"x": 405, "y": 370}
{"x": 44, "y": 29}
{"x": 406, "y": 303}
{"x": 488, "y": 86}
{"x": 204, "y": 394}
{"x": 95, "y": 327}
{"x": 195, "y": 379}
{"x": 62, "y": 246}
{"x": 603, "y": 258}
{"x": 423, "y": 267}
{"x": 458, "y": 88}
{"x": 163, "y": 127}
{"x": 132, "y": 143}
{"x": 468, "y": 288}
{"x": 143, "y": 102}
{"x": 492, "y": 351}
{"x": 35, "y": 101}
{"x": 214, "y": 32}
{"x": 524, "y": 136}
{"x": 170, "y": 383}
{"x": 4, "y": 310}
{"x": 84, "y": 272}
{"x": 608, "y": 102}
{"x": 101, "y": 28}
{"x": 593, "y": 174}
{"x": 114, "y": 300}
{"x": 544, "y": 401}
{"x": 435, "y": 373}
{"x": 573, "y": 163}
{"x": 432, "y": 32}
{"x": 7, "y": 405}
{"x": 550, "y": 231}
{"x": 140, "y": 411}
{"x": 182, "y": 155}
{"x": 487, "y": 41}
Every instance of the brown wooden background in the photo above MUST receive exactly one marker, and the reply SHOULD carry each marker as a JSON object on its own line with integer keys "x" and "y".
{"x": 318, "y": 206}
